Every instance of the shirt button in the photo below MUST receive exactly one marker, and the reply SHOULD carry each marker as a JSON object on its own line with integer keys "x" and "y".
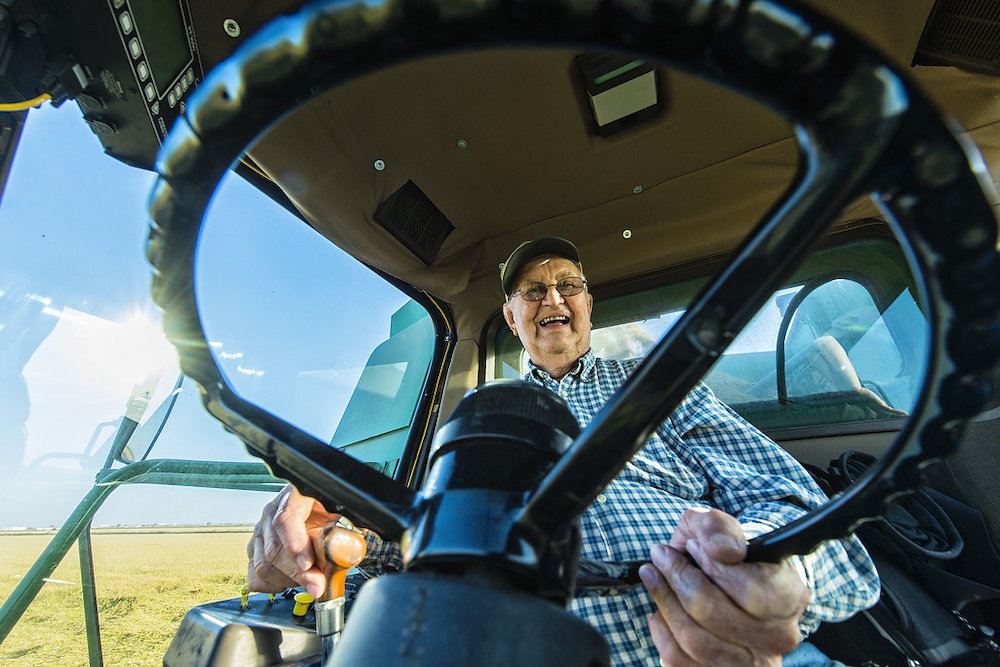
{"x": 601, "y": 498}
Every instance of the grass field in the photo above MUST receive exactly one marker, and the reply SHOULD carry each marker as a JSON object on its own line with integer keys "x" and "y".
{"x": 146, "y": 582}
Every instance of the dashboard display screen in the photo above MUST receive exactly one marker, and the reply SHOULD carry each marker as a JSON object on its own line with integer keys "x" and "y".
{"x": 161, "y": 29}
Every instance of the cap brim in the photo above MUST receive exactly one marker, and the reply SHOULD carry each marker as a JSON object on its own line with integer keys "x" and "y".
{"x": 529, "y": 250}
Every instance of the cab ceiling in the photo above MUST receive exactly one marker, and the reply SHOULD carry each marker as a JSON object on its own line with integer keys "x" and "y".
{"x": 501, "y": 141}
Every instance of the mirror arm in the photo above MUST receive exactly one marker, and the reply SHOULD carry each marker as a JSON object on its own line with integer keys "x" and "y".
{"x": 780, "y": 378}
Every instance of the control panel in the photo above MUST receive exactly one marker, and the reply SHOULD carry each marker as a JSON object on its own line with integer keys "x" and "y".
{"x": 130, "y": 65}
{"x": 162, "y": 54}
{"x": 254, "y": 630}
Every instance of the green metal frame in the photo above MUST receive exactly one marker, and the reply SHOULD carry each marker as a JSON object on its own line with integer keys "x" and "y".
{"x": 244, "y": 476}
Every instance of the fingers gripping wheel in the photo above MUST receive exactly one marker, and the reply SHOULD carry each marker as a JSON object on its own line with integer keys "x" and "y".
{"x": 862, "y": 126}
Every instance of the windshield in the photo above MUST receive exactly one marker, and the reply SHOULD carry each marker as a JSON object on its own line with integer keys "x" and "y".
{"x": 92, "y": 390}
{"x": 81, "y": 342}
{"x": 84, "y": 359}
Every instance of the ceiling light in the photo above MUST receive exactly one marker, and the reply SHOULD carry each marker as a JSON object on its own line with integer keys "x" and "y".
{"x": 622, "y": 91}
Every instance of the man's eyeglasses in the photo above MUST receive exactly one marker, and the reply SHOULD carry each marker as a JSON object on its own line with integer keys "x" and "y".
{"x": 537, "y": 291}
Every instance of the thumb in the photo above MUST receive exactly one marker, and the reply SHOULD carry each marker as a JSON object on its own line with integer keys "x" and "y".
{"x": 719, "y": 535}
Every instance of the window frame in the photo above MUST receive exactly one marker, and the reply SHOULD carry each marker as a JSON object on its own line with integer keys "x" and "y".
{"x": 413, "y": 458}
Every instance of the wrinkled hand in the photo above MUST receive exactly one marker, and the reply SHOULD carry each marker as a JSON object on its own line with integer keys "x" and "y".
{"x": 721, "y": 611}
{"x": 285, "y": 543}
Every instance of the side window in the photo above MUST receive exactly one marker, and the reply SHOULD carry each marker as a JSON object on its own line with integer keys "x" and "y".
{"x": 845, "y": 343}
{"x": 308, "y": 333}
{"x": 873, "y": 349}
{"x": 82, "y": 351}
{"x": 824, "y": 353}
{"x": 377, "y": 418}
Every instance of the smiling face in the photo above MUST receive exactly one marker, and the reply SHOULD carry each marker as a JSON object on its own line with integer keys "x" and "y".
{"x": 556, "y": 330}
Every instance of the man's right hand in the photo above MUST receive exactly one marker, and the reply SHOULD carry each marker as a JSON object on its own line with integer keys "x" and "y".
{"x": 281, "y": 550}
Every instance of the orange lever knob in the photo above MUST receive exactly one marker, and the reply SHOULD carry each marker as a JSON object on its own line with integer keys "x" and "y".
{"x": 344, "y": 548}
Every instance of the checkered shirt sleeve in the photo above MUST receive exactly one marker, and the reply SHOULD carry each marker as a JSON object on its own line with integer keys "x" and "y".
{"x": 381, "y": 556}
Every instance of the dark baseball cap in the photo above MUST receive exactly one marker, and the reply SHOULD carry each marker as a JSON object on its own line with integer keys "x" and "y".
{"x": 529, "y": 250}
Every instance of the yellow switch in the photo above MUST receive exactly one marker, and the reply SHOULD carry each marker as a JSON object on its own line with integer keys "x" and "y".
{"x": 302, "y": 602}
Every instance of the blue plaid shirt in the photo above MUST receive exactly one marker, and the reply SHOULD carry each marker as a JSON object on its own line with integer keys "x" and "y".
{"x": 703, "y": 455}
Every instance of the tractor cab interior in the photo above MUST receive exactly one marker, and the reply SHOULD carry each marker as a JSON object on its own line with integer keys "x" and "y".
{"x": 793, "y": 203}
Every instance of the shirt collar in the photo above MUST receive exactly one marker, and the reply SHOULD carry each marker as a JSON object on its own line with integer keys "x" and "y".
{"x": 584, "y": 369}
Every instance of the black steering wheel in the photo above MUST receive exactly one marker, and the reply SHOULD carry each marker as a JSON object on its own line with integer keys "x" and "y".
{"x": 861, "y": 125}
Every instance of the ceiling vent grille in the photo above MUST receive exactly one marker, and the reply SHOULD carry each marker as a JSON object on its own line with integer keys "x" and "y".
{"x": 412, "y": 218}
{"x": 963, "y": 33}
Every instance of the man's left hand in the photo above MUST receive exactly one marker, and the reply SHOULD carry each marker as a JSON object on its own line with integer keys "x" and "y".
{"x": 718, "y": 610}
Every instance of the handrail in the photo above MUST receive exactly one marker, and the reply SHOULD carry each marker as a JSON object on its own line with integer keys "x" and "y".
{"x": 242, "y": 475}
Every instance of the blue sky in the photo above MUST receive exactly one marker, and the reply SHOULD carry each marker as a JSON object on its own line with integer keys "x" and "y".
{"x": 78, "y": 329}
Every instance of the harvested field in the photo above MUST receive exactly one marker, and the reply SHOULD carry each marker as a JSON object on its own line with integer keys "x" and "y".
{"x": 147, "y": 579}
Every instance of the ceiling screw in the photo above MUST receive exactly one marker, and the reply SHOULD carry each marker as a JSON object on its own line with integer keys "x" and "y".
{"x": 637, "y": 189}
{"x": 379, "y": 165}
{"x": 231, "y": 27}
{"x": 627, "y": 234}
{"x": 462, "y": 143}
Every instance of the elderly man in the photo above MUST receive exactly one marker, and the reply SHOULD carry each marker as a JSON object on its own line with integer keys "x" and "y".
{"x": 704, "y": 483}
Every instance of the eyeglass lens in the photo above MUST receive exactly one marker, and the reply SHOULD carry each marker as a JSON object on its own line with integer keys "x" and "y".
{"x": 537, "y": 291}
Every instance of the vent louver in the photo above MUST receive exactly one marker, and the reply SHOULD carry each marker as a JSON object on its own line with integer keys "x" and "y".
{"x": 963, "y": 33}
{"x": 412, "y": 218}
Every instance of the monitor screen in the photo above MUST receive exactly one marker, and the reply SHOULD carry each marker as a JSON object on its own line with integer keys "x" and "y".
{"x": 161, "y": 30}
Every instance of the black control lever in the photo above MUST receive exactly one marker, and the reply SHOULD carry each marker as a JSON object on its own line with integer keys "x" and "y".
{"x": 595, "y": 577}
